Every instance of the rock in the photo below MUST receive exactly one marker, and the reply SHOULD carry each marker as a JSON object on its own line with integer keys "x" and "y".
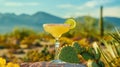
{"x": 48, "y": 64}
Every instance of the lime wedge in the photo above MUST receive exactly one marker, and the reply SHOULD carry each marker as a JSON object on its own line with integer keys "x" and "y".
{"x": 71, "y": 22}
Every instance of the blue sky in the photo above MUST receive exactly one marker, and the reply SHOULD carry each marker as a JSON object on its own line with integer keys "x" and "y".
{"x": 62, "y": 8}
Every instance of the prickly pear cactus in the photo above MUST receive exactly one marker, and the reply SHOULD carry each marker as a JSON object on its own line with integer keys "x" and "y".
{"x": 78, "y": 47}
{"x": 93, "y": 63}
{"x": 69, "y": 54}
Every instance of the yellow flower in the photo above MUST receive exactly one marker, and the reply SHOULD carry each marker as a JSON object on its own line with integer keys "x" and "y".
{"x": 2, "y": 65}
{"x": 2, "y": 61}
{"x": 10, "y": 64}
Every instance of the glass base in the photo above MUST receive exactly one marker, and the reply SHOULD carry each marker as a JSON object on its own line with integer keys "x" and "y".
{"x": 57, "y": 62}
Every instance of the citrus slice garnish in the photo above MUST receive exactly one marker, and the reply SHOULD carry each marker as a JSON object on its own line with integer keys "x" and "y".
{"x": 71, "y": 22}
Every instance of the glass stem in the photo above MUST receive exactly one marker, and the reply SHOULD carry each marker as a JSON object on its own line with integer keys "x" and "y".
{"x": 57, "y": 44}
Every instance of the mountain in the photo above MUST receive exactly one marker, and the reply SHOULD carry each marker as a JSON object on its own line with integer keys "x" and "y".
{"x": 107, "y": 20}
{"x": 113, "y": 20}
{"x": 8, "y": 21}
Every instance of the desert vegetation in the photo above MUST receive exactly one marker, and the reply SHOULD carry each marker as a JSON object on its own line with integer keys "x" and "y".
{"x": 26, "y": 45}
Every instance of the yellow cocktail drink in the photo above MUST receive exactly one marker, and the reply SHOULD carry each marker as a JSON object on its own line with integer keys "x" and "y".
{"x": 56, "y": 29}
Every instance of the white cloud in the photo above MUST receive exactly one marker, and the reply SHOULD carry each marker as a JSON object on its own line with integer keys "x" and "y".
{"x": 94, "y": 13}
{"x": 107, "y": 11}
{"x": 87, "y": 4}
{"x": 76, "y": 14}
{"x": 90, "y": 4}
{"x": 112, "y": 11}
{"x": 66, "y": 6}
{"x": 94, "y": 3}
{"x": 21, "y": 4}
{"x": 91, "y": 8}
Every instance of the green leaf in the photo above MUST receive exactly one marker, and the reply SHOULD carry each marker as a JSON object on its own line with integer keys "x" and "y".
{"x": 87, "y": 56}
{"x": 97, "y": 56}
{"x": 94, "y": 64}
{"x": 101, "y": 64}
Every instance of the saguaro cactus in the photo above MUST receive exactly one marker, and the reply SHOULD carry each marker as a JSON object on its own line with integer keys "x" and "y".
{"x": 101, "y": 24}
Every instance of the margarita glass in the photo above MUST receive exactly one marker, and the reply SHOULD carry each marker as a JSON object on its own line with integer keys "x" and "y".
{"x": 56, "y": 30}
